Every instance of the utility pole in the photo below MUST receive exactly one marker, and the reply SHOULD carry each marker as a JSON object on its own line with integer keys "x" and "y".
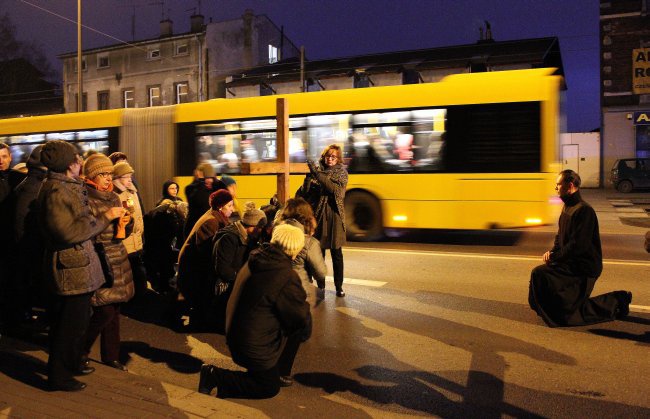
{"x": 302, "y": 68}
{"x": 80, "y": 91}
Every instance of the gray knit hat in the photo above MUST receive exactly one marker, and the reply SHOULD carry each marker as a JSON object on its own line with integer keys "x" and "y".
{"x": 58, "y": 155}
{"x": 253, "y": 217}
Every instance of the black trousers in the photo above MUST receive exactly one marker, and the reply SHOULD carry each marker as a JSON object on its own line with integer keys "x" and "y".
{"x": 69, "y": 317}
{"x": 105, "y": 321}
{"x": 248, "y": 384}
{"x": 337, "y": 266}
{"x": 139, "y": 274}
{"x": 562, "y": 298}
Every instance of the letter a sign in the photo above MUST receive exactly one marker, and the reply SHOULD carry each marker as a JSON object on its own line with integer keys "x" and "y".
{"x": 641, "y": 71}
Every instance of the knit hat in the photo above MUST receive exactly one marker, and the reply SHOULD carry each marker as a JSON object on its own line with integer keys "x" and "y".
{"x": 97, "y": 163}
{"x": 227, "y": 180}
{"x": 253, "y": 217}
{"x": 122, "y": 168}
{"x": 290, "y": 238}
{"x": 58, "y": 155}
{"x": 219, "y": 198}
{"x": 206, "y": 169}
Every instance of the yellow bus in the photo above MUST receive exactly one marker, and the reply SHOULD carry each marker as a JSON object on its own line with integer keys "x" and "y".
{"x": 473, "y": 151}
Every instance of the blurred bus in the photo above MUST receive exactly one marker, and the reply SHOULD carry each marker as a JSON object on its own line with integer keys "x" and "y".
{"x": 473, "y": 151}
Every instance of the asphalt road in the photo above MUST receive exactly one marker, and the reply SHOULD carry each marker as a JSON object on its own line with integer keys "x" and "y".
{"x": 438, "y": 328}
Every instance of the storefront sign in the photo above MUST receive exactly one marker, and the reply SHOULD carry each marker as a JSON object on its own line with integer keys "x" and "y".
{"x": 642, "y": 118}
{"x": 641, "y": 71}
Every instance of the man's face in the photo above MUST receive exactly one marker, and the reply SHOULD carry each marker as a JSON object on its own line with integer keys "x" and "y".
{"x": 562, "y": 187}
{"x": 5, "y": 158}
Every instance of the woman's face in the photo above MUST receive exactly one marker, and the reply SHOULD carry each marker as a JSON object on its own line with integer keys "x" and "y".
{"x": 127, "y": 180}
{"x": 172, "y": 189}
{"x": 103, "y": 180}
{"x": 228, "y": 209}
{"x": 331, "y": 158}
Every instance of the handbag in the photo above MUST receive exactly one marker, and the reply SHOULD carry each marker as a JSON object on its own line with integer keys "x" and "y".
{"x": 106, "y": 265}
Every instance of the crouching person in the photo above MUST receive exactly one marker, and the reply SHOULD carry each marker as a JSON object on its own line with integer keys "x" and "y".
{"x": 73, "y": 269}
{"x": 266, "y": 308}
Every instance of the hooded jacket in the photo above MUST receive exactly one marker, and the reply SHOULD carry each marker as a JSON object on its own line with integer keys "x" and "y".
{"x": 272, "y": 305}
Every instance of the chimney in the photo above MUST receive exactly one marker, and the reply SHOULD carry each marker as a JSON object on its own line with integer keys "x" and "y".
{"x": 165, "y": 28}
{"x": 196, "y": 23}
{"x": 247, "y": 19}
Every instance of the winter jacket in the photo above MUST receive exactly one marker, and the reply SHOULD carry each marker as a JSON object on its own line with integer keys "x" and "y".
{"x": 26, "y": 195}
{"x": 195, "y": 266}
{"x": 122, "y": 289}
{"x": 310, "y": 264}
{"x": 230, "y": 251}
{"x": 269, "y": 306}
{"x": 134, "y": 242}
{"x": 198, "y": 199}
{"x": 68, "y": 227}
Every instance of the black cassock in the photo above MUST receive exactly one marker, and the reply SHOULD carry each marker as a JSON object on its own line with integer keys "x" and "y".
{"x": 560, "y": 290}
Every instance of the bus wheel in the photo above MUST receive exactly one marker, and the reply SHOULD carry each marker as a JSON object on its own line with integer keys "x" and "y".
{"x": 624, "y": 186}
{"x": 363, "y": 217}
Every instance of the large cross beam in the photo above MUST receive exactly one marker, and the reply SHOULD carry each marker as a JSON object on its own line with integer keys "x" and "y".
{"x": 282, "y": 168}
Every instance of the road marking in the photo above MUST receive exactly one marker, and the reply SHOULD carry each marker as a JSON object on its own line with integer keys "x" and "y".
{"x": 365, "y": 282}
{"x": 482, "y": 256}
{"x": 639, "y": 309}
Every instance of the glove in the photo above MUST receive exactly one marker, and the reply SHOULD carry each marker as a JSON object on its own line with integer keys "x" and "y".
{"x": 221, "y": 288}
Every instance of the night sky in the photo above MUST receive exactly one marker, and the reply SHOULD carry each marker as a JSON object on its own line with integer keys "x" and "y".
{"x": 338, "y": 28}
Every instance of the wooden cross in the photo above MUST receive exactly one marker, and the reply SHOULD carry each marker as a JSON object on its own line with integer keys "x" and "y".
{"x": 282, "y": 168}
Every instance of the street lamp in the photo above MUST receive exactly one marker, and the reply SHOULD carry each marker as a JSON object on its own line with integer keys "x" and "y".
{"x": 79, "y": 75}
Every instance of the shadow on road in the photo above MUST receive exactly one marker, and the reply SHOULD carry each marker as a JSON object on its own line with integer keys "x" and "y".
{"x": 463, "y": 237}
{"x": 178, "y": 361}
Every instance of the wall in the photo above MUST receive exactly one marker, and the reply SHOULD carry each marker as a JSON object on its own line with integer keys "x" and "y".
{"x": 619, "y": 141}
{"x": 588, "y": 161}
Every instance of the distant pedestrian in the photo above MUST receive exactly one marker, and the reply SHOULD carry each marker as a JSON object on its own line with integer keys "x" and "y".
{"x": 265, "y": 309}
{"x": 169, "y": 191}
{"x": 560, "y": 289}
{"x": 198, "y": 194}
{"x": 73, "y": 268}
{"x": 118, "y": 288}
{"x": 324, "y": 188}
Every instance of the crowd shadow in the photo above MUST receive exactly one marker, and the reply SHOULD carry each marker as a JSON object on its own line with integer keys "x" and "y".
{"x": 24, "y": 368}
{"x": 460, "y": 237}
{"x": 177, "y": 361}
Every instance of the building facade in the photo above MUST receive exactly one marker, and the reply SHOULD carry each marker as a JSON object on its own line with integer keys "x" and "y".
{"x": 625, "y": 81}
{"x": 402, "y": 67}
{"x": 172, "y": 68}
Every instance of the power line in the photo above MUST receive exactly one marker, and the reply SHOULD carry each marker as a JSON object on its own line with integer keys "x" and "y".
{"x": 82, "y": 25}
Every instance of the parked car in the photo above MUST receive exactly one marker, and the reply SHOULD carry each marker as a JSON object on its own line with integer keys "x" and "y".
{"x": 629, "y": 174}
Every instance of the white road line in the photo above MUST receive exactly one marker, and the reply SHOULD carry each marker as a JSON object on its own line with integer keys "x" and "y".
{"x": 366, "y": 282}
{"x": 481, "y": 256}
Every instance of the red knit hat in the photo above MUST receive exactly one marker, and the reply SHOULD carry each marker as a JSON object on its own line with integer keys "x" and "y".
{"x": 219, "y": 198}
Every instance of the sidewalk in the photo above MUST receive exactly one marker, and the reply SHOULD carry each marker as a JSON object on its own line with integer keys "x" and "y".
{"x": 110, "y": 393}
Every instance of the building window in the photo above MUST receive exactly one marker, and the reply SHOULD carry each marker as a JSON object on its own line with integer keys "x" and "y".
{"x": 361, "y": 80}
{"x": 314, "y": 85}
{"x": 83, "y": 64}
{"x": 128, "y": 98}
{"x": 181, "y": 49}
{"x": 102, "y": 100}
{"x": 154, "y": 95}
{"x": 84, "y": 102}
{"x": 153, "y": 54}
{"x": 266, "y": 90}
{"x": 273, "y": 54}
{"x": 410, "y": 77}
{"x": 181, "y": 90}
{"x": 102, "y": 61}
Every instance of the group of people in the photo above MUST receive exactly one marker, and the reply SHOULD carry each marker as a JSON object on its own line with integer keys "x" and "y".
{"x": 252, "y": 274}
{"x": 82, "y": 221}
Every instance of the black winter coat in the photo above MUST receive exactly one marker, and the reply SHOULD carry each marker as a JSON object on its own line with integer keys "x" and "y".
{"x": 230, "y": 251}
{"x": 271, "y": 306}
